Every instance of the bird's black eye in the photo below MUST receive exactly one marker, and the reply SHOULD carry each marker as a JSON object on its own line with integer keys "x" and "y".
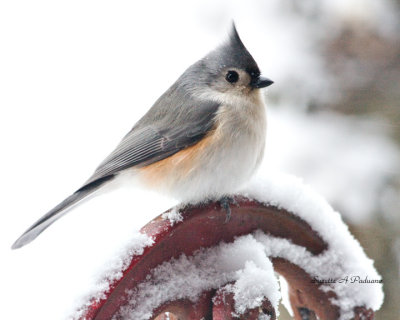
{"x": 232, "y": 76}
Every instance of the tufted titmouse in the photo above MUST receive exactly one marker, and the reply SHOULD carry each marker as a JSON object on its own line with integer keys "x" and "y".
{"x": 203, "y": 138}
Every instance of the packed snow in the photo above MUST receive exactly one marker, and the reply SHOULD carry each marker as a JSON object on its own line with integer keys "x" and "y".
{"x": 243, "y": 262}
{"x": 112, "y": 270}
{"x": 173, "y": 216}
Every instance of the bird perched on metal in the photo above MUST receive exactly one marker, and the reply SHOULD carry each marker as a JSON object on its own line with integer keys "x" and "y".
{"x": 203, "y": 138}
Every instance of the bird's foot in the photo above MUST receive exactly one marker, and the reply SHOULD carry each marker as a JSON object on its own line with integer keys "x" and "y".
{"x": 225, "y": 204}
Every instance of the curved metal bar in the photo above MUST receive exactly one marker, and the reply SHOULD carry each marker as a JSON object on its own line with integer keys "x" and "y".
{"x": 204, "y": 226}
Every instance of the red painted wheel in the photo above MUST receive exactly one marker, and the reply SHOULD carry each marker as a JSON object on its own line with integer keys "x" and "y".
{"x": 204, "y": 226}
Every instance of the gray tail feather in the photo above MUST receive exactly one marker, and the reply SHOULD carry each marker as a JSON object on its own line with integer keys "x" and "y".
{"x": 57, "y": 212}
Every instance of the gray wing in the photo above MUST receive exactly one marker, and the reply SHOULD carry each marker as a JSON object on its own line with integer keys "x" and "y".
{"x": 158, "y": 135}
{"x": 175, "y": 121}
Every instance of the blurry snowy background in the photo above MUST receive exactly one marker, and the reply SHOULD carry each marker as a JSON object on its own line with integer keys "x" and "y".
{"x": 76, "y": 75}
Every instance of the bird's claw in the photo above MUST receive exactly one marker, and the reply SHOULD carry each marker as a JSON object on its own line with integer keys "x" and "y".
{"x": 225, "y": 204}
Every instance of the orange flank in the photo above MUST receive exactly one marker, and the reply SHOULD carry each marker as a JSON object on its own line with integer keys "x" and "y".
{"x": 177, "y": 166}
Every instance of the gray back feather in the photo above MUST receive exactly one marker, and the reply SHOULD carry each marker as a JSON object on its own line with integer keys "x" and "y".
{"x": 176, "y": 121}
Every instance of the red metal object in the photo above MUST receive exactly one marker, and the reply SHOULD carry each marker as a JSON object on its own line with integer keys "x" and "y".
{"x": 204, "y": 226}
{"x": 185, "y": 309}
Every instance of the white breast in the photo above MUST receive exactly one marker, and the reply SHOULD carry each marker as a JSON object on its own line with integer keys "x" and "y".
{"x": 230, "y": 159}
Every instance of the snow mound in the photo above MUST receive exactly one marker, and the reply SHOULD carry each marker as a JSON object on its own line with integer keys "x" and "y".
{"x": 350, "y": 273}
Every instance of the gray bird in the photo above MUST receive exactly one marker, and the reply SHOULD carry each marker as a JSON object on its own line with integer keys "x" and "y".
{"x": 202, "y": 139}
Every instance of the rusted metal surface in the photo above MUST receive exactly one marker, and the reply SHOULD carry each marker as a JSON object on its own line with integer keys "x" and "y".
{"x": 204, "y": 226}
{"x": 212, "y": 305}
{"x": 185, "y": 309}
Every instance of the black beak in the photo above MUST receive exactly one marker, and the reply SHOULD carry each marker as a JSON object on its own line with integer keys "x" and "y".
{"x": 260, "y": 82}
